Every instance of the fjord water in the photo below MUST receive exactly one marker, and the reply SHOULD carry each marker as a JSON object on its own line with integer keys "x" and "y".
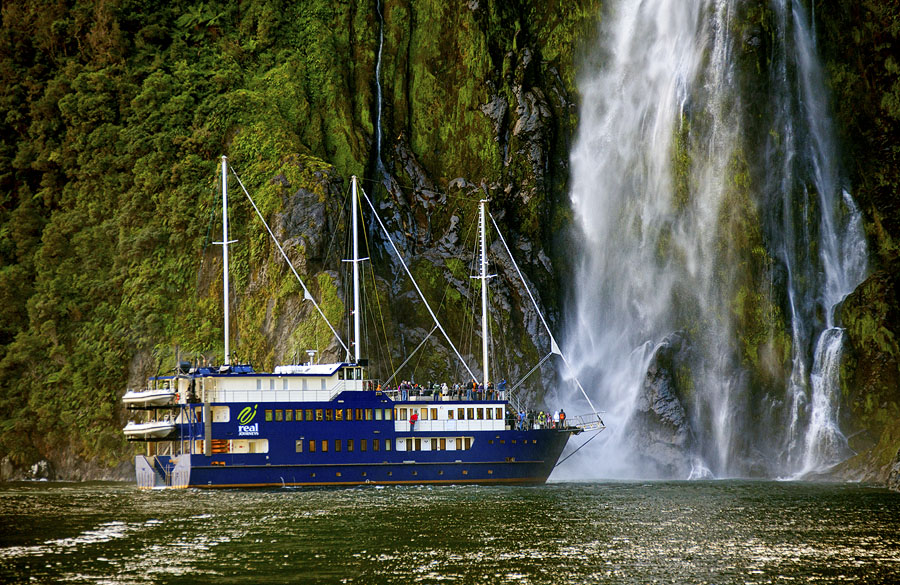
{"x": 715, "y": 225}
{"x": 626, "y": 532}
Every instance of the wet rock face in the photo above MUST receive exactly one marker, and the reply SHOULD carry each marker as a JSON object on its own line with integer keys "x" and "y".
{"x": 660, "y": 427}
{"x": 893, "y": 481}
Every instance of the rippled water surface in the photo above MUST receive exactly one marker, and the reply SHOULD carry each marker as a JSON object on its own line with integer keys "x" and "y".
{"x": 666, "y": 532}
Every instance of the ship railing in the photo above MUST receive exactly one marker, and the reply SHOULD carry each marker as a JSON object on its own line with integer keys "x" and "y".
{"x": 586, "y": 422}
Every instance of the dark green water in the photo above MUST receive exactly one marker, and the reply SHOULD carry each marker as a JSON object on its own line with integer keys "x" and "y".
{"x": 662, "y": 532}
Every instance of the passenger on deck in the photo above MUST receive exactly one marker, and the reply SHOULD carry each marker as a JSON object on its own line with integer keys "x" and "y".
{"x": 562, "y": 417}
{"x": 412, "y": 420}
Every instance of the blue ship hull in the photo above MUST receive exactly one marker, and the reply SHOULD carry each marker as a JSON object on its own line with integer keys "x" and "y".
{"x": 351, "y": 452}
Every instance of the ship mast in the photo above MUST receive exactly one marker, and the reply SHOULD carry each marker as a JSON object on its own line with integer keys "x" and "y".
{"x": 484, "y": 301}
{"x": 355, "y": 213}
{"x": 225, "y": 243}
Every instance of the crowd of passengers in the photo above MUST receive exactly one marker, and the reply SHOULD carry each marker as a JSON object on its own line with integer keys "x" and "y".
{"x": 529, "y": 419}
{"x": 458, "y": 391}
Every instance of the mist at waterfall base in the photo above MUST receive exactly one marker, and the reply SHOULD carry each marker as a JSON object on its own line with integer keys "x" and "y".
{"x": 718, "y": 237}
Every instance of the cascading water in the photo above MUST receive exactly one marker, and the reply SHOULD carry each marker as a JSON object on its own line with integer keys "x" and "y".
{"x": 379, "y": 164}
{"x": 712, "y": 264}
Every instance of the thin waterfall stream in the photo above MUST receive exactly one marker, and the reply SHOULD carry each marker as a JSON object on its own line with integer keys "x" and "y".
{"x": 718, "y": 239}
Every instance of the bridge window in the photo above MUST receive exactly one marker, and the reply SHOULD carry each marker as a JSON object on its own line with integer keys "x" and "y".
{"x": 461, "y": 413}
{"x": 489, "y": 413}
{"x": 499, "y": 413}
{"x": 470, "y": 413}
{"x": 480, "y": 413}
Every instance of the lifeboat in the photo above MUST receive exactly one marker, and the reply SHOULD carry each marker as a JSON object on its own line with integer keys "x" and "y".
{"x": 149, "y": 430}
{"x": 152, "y": 397}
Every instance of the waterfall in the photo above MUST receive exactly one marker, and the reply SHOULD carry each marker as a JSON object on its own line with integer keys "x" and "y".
{"x": 379, "y": 163}
{"x": 687, "y": 226}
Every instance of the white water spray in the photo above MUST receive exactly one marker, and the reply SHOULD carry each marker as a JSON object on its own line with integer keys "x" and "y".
{"x": 661, "y": 187}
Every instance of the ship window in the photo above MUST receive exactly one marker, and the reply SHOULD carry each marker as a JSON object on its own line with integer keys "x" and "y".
{"x": 424, "y": 415}
{"x": 489, "y": 412}
{"x": 309, "y": 414}
{"x": 329, "y": 414}
{"x": 338, "y": 474}
{"x": 279, "y": 415}
{"x": 459, "y": 443}
{"x": 359, "y": 414}
{"x": 349, "y": 414}
{"x": 298, "y": 445}
{"x": 304, "y": 384}
{"x": 491, "y": 442}
{"x": 387, "y": 414}
{"x": 402, "y": 414}
{"x": 324, "y": 446}
{"x": 378, "y": 414}
{"x": 319, "y": 414}
{"x": 490, "y": 472}
{"x": 418, "y": 446}
{"x": 480, "y": 413}
{"x": 284, "y": 384}
{"x": 339, "y": 414}
{"x": 461, "y": 413}
{"x": 499, "y": 413}
{"x": 289, "y": 415}
{"x": 258, "y": 384}
{"x": 268, "y": 416}
{"x": 468, "y": 442}
{"x": 323, "y": 384}
{"x": 368, "y": 414}
{"x": 349, "y": 444}
{"x": 502, "y": 441}
{"x": 513, "y": 441}
{"x": 312, "y": 445}
{"x": 470, "y": 413}
{"x": 337, "y": 445}
{"x": 271, "y": 383}
{"x": 363, "y": 444}
{"x": 433, "y": 414}
{"x": 450, "y": 414}
{"x": 376, "y": 445}
{"x": 534, "y": 441}
{"x": 443, "y": 444}
{"x": 387, "y": 444}
{"x": 341, "y": 374}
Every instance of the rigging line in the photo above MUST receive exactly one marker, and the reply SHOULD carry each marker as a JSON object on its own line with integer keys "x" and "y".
{"x": 531, "y": 371}
{"x": 558, "y": 463}
{"x": 306, "y": 294}
{"x": 415, "y": 284}
{"x": 378, "y": 298}
{"x": 409, "y": 357}
{"x": 411, "y": 189}
{"x": 554, "y": 348}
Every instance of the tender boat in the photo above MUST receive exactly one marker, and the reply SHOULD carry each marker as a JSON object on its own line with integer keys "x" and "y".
{"x": 151, "y": 397}
{"x": 315, "y": 424}
{"x": 149, "y": 430}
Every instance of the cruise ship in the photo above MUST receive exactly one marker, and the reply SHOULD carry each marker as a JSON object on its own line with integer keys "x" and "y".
{"x": 317, "y": 424}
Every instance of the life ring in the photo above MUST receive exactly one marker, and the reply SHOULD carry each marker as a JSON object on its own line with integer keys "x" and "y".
{"x": 177, "y": 397}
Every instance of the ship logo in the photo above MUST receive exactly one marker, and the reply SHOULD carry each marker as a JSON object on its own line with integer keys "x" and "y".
{"x": 247, "y": 415}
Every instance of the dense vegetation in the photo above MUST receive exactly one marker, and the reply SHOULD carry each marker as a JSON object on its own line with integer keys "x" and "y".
{"x": 114, "y": 114}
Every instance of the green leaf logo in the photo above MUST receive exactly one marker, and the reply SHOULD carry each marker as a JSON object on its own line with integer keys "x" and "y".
{"x": 247, "y": 415}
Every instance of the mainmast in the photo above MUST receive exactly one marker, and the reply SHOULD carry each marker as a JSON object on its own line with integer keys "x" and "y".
{"x": 225, "y": 243}
{"x": 355, "y": 213}
{"x": 484, "y": 300}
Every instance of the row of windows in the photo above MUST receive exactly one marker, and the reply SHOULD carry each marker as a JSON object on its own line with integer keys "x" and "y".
{"x": 339, "y": 445}
{"x": 350, "y": 414}
{"x": 411, "y": 444}
{"x": 328, "y": 414}
{"x": 470, "y": 413}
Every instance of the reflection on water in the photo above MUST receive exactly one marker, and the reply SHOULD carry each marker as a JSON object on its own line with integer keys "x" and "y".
{"x": 673, "y": 532}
